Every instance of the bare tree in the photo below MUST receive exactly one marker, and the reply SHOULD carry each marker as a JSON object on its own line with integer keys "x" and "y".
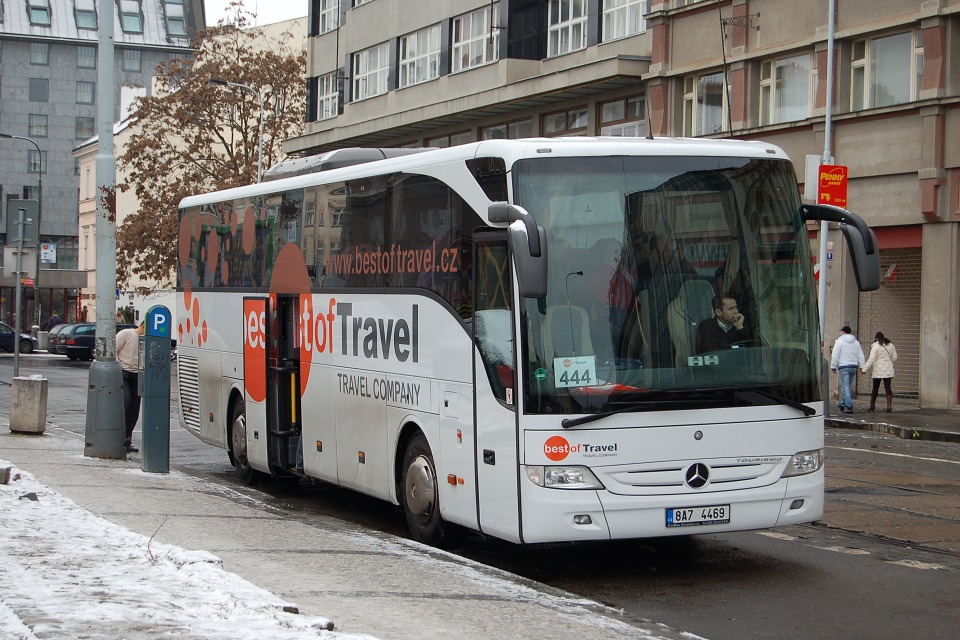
{"x": 194, "y": 138}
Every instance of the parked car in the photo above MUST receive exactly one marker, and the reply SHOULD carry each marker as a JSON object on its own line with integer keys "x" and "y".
{"x": 52, "y": 337}
{"x": 27, "y": 342}
{"x": 55, "y": 343}
{"x": 78, "y": 342}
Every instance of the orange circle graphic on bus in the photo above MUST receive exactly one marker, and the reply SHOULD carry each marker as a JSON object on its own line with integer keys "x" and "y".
{"x": 556, "y": 448}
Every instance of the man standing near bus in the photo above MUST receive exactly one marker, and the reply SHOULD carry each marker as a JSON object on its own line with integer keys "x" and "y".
{"x": 128, "y": 356}
{"x": 847, "y": 358}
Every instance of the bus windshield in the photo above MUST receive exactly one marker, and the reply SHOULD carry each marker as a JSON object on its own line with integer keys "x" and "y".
{"x": 673, "y": 281}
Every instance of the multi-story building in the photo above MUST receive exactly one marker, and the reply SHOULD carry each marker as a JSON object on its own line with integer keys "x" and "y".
{"x": 48, "y": 70}
{"x": 393, "y": 73}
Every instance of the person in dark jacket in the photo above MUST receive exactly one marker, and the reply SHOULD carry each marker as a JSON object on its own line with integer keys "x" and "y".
{"x": 726, "y": 329}
{"x": 53, "y": 321}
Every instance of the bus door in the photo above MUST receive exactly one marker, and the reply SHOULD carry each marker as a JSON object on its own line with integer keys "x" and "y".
{"x": 283, "y": 385}
{"x": 495, "y": 400}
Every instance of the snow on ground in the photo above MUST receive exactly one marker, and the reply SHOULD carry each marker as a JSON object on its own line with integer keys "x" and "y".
{"x": 65, "y": 572}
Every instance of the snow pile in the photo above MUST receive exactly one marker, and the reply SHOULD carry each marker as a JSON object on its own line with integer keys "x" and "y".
{"x": 65, "y": 572}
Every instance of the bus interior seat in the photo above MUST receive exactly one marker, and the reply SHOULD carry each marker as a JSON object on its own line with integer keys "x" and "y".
{"x": 566, "y": 332}
{"x": 692, "y": 304}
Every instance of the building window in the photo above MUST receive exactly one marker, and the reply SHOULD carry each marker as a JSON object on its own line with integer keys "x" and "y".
{"x": 86, "y": 57}
{"x": 568, "y": 26}
{"x": 370, "y": 69}
{"x": 785, "y": 90}
{"x": 623, "y": 118}
{"x": 357, "y": 3}
{"x": 36, "y": 161}
{"x": 131, "y": 20}
{"x": 39, "y": 12}
{"x": 511, "y": 130}
{"x": 40, "y": 53}
{"x": 450, "y": 141}
{"x": 328, "y": 96}
{"x": 309, "y": 210}
{"x": 622, "y": 18}
{"x": 175, "y": 23}
{"x": 420, "y": 56}
{"x": 886, "y": 71}
{"x": 85, "y": 92}
{"x": 572, "y": 122}
{"x": 704, "y": 104}
{"x": 37, "y": 127}
{"x": 132, "y": 60}
{"x": 85, "y": 13}
{"x": 336, "y": 215}
{"x": 83, "y": 128}
{"x": 329, "y": 15}
{"x": 39, "y": 90}
{"x": 476, "y": 38}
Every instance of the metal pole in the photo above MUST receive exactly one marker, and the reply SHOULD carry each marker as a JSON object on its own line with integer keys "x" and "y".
{"x": 223, "y": 83}
{"x": 17, "y": 323}
{"x": 105, "y": 429}
{"x": 36, "y": 282}
{"x": 827, "y": 159}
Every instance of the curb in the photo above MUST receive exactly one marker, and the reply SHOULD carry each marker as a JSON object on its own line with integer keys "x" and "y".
{"x": 906, "y": 433}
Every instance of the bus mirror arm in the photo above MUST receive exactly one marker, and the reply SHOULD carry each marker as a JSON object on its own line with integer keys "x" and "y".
{"x": 861, "y": 240}
{"x": 528, "y": 243}
{"x": 505, "y": 212}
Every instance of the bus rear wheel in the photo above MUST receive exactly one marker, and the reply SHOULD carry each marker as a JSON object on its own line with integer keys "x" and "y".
{"x": 420, "y": 495}
{"x": 238, "y": 444}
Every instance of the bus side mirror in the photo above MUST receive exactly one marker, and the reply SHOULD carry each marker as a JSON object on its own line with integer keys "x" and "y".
{"x": 528, "y": 243}
{"x": 862, "y": 242}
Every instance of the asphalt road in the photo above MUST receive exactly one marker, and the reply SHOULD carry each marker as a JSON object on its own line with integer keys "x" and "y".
{"x": 883, "y": 563}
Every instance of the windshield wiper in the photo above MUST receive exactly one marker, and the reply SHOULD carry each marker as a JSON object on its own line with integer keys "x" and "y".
{"x": 739, "y": 394}
{"x": 808, "y": 411}
{"x": 646, "y": 405}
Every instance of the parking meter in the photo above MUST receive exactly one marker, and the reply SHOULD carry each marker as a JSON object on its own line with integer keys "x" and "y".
{"x": 154, "y": 383}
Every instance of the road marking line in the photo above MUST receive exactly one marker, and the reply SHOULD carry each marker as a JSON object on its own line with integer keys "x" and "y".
{"x": 846, "y": 550}
{"x": 916, "y": 564}
{"x": 897, "y": 455}
{"x": 778, "y": 536}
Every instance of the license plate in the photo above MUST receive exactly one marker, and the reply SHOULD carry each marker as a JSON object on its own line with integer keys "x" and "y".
{"x": 698, "y": 516}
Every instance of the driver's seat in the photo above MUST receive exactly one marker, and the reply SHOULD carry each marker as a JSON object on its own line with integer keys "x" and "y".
{"x": 692, "y": 304}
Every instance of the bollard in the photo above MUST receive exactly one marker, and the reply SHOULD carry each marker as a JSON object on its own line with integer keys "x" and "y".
{"x": 28, "y": 404}
{"x": 155, "y": 385}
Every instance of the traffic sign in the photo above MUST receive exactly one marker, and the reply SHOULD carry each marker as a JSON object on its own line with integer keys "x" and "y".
{"x": 832, "y": 185}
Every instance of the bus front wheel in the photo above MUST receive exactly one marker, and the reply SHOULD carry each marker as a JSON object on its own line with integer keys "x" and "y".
{"x": 238, "y": 444}
{"x": 420, "y": 497}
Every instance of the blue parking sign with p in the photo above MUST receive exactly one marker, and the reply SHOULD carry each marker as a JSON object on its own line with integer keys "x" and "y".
{"x": 159, "y": 321}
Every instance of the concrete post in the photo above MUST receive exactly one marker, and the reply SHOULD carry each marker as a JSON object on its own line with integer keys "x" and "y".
{"x": 28, "y": 405}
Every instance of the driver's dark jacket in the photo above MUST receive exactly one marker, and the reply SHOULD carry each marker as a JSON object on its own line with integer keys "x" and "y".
{"x": 712, "y": 337}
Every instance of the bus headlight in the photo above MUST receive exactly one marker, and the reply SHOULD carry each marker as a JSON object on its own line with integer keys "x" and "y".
{"x": 803, "y": 463}
{"x": 563, "y": 477}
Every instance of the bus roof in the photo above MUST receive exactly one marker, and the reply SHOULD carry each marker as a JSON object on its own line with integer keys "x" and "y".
{"x": 510, "y": 150}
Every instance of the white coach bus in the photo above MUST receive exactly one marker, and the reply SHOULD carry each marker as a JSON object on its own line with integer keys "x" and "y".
{"x": 510, "y": 335}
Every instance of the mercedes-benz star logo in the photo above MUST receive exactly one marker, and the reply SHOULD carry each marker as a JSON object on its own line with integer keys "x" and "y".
{"x": 697, "y": 475}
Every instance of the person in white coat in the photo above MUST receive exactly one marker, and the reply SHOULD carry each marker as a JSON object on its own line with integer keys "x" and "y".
{"x": 847, "y": 356}
{"x": 882, "y": 356}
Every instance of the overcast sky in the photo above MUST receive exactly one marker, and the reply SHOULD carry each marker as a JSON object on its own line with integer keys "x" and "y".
{"x": 268, "y": 11}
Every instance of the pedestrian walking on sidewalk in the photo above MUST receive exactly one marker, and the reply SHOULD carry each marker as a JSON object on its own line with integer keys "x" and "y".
{"x": 847, "y": 356}
{"x": 882, "y": 356}
{"x": 128, "y": 355}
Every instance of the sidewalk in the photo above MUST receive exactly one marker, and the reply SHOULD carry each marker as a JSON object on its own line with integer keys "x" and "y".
{"x": 365, "y": 582}
{"x": 907, "y": 421}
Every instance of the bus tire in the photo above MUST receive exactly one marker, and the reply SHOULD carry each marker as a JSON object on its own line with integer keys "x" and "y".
{"x": 238, "y": 444}
{"x": 420, "y": 496}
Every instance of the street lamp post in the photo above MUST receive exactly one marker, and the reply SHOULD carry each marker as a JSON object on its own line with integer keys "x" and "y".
{"x": 223, "y": 83}
{"x": 39, "y": 210}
